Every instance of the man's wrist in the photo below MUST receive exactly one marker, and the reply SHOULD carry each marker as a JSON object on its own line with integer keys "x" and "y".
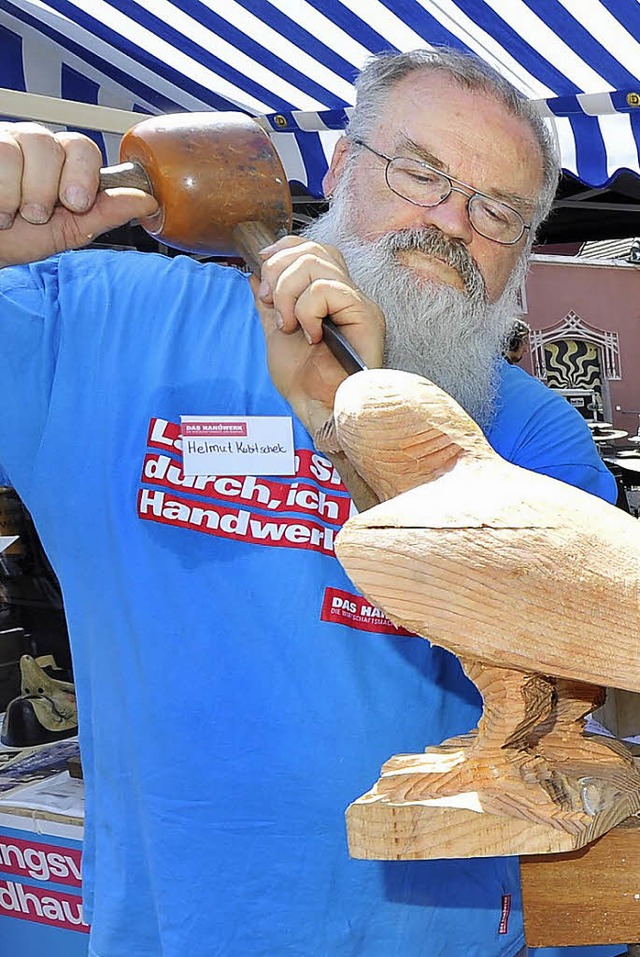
{"x": 312, "y": 413}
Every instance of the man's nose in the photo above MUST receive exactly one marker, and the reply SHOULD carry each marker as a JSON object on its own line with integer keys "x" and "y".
{"x": 451, "y": 216}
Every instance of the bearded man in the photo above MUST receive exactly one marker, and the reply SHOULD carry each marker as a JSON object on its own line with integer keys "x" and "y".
{"x": 234, "y": 692}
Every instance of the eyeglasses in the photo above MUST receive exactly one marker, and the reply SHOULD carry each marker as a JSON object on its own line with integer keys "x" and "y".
{"x": 424, "y": 185}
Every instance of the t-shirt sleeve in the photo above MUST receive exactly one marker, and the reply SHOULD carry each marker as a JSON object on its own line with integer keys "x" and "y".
{"x": 539, "y": 430}
{"x": 75, "y": 324}
{"x": 29, "y": 331}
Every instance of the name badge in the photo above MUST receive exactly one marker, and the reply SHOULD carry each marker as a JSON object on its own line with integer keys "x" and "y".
{"x": 237, "y": 445}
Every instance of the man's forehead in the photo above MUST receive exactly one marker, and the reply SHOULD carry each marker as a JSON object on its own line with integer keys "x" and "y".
{"x": 469, "y": 134}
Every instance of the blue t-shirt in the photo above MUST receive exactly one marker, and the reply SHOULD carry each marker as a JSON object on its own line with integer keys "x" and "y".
{"x": 231, "y": 703}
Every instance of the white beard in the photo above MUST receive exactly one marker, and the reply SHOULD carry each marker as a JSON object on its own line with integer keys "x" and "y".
{"x": 452, "y": 337}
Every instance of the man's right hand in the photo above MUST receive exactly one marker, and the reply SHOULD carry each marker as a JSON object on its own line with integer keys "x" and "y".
{"x": 49, "y": 199}
{"x": 303, "y": 282}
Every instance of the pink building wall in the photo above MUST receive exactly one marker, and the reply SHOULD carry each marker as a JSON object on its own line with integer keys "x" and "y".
{"x": 605, "y": 296}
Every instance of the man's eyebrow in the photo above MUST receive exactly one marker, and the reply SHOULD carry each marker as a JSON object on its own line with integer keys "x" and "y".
{"x": 523, "y": 204}
{"x": 406, "y": 144}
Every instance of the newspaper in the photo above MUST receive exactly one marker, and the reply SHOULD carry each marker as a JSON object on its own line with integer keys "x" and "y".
{"x": 59, "y": 794}
{"x": 24, "y": 767}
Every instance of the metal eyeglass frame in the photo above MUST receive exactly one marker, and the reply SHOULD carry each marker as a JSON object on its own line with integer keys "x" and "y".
{"x": 469, "y": 191}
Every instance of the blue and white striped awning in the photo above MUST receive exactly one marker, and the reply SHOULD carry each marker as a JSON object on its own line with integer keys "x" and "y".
{"x": 293, "y": 62}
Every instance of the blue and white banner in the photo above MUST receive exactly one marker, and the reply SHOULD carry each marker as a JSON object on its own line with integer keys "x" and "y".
{"x": 292, "y": 62}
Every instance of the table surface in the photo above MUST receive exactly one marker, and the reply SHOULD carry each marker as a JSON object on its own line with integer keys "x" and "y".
{"x": 630, "y": 464}
{"x": 611, "y": 436}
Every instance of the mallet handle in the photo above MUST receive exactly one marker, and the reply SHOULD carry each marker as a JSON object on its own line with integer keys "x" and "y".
{"x": 250, "y": 238}
{"x": 128, "y": 175}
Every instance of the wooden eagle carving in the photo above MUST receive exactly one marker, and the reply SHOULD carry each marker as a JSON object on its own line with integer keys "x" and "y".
{"x": 534, "y": 585}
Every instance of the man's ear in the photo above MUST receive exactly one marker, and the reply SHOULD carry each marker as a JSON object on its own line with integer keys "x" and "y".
{"x": 334, "y": 172}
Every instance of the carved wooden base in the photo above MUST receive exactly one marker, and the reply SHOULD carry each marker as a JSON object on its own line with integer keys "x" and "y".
{"x": 527, "y": 782}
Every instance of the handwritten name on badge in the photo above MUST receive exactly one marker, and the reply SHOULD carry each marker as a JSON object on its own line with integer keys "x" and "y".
{"x": 237, "y": 445}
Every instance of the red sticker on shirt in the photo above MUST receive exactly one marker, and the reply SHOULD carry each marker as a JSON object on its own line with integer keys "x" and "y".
{"x": 344, "y": 608}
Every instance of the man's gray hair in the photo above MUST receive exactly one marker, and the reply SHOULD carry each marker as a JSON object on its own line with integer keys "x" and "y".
{"x": 382, "y": 72}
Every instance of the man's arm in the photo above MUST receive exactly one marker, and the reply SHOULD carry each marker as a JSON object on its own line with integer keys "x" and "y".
{"x": 50, "y": 202}
{"x": 302, "y": 283}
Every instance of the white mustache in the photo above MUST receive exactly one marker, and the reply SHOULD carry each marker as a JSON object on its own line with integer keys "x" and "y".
{"x": 431, "y": 242}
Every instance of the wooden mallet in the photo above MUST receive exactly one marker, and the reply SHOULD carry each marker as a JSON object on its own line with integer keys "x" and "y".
{"x": 221, "y": 189}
